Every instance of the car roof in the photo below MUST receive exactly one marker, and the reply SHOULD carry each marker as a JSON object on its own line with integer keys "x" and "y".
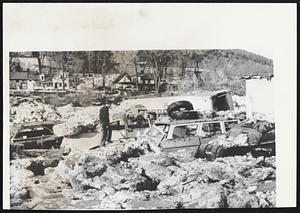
{"x": 189, "y": 121}
{"x": 48, "y": 124}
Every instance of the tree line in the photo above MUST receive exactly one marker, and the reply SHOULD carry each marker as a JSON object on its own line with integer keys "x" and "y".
{"x": 87, "y": 63}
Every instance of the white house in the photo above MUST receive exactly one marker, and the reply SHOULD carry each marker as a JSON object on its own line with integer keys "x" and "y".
{"x": 123, "y": 81}
{"x": 24, "y": 81}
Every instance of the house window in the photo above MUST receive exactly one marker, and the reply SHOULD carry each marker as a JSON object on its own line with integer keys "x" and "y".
{"x": 17, "y": 81}
{"x": 60, "y": 84}
{"x": 185, "y": 131}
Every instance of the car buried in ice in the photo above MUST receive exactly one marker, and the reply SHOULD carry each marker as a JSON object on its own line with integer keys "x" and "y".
{"x": 187, "y": 134}
{"x": 36, "y": 135}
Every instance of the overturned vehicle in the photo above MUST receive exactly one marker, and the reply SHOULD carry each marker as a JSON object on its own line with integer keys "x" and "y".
{"x": 210, "y": 137}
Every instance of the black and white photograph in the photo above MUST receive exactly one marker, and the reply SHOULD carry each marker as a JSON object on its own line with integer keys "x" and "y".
{"x": 141, "y": 128}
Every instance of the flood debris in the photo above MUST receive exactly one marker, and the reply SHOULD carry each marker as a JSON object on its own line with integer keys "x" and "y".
{"x": 220, "y": 168}
{"x": 222, "y": 101}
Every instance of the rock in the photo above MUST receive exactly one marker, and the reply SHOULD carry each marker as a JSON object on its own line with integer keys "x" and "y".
{"x": 267, "y": 199}
{"x": 242, "y": 199}
{"x": 123, "y": 153}
{"x": 162, "y": 159}
{"x": 251, "y": 189}
{"x": 51, "y": 162}
{"x": 127, "y": 179}
{"x": 262, "y": 174}
{"x": 204, "y": 197}
{"x": 95, "y": 170}
{"x": 271, "y": 162}
{"x": 79, "y": 122}
{"x": 151, "y": 204}
{"x": 71, "y": 128}
{"x": 66, "y": 111}
{"x": 15, "y": 202}
{"x": 121, "y": 198}
{"x": 217, "y": 172}
{"x": 33, "y": 111}
{"x": 213, "y": 199}
{"x": 183, "y": 155}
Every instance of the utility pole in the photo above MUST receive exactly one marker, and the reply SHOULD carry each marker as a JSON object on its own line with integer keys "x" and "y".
{"x": 90, "y": 68}
{"x": 89, "y": 62}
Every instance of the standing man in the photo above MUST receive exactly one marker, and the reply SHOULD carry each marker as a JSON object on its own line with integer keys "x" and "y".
{"x": 103, "y": 122}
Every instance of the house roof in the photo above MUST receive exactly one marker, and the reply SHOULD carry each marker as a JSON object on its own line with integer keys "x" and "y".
{"x": 147, "y": 76}
{"x": 120, "y": 77}
{"x": 23, "y": 76}
{"x": 19, "y": 76}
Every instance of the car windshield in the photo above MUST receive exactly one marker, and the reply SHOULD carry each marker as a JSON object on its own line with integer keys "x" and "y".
{"x": 33, "y": 132}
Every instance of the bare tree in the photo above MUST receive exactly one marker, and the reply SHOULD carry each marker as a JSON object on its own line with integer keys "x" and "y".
{"x": 104, "y": 63}
{"x": 184, "y": 59}
{"x": 159, "y": 60}
{"x": 13, "y": 65}
{"x": 40, "y": 56}
{"x": 134, "y": 60}
{"x": 65, "y": 61}
{"x": 139, "y": 67}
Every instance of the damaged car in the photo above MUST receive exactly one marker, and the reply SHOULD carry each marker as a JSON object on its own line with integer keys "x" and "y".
{"x": 187, "y": 134}
{"x": 201, "y": 137}
{"x": 36, "y": 135}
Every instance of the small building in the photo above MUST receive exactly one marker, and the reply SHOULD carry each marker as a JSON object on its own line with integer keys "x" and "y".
{"x": 123, "y": 81}
{"x": 59, "y": 81}
{"x": 146, "y": 81}
{"x": 24, "y": 81}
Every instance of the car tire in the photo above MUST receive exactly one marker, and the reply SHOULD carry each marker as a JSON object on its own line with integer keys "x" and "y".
{"x": 176, "y": 106}
{"x": 201, "y": 151}
{"x": 219, "y": 152}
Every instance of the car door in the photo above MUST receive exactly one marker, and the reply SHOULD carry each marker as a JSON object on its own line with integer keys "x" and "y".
{"x": 182, "y": 137}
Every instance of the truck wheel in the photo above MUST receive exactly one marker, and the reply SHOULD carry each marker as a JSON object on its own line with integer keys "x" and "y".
{"x": 176, "y": 106}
